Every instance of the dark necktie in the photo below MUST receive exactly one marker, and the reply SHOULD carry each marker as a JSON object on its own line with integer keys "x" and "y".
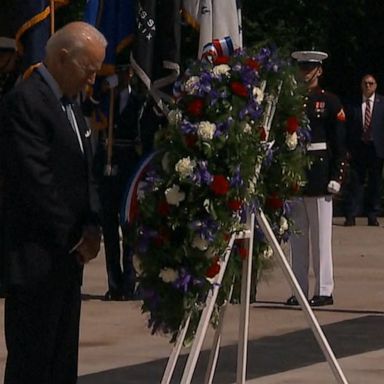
{"x": 367, "y": 121}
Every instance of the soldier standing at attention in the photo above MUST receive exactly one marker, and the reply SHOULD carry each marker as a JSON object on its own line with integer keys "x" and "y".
{"x": 312, "y": 212}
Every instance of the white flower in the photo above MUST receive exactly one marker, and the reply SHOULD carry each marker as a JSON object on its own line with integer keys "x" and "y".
{"x": 185, "y": 166}
{"x": 246, "y": 127}
{"x": 191, "y": 86}
{"x": 174, "y": 196}
{"x": 175, "y": 116}
{"x": 165, "y": 162}
{"x": 221, "y": 69}
{"x": 200, "y": 243}
{"x": 206, "y": 130}
{"x": 168, "y": 275}
{"x": 283, "y": 225}
{"x": 137, "y": 265}
{"x": 258, "y": 94}
{"x": 291, "y": 141}
{"x": 267, "y": 253}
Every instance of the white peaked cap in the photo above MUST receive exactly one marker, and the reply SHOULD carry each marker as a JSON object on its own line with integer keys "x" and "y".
{"x": 309, "y": 56}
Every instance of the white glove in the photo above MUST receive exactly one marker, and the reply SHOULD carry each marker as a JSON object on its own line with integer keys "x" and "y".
{"x": 333, "y": 186}
{"x": 112, "y": 81}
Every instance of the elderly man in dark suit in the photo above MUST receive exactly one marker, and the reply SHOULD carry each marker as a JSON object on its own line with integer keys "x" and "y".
{"x": 50, "y": 207}
{"x": 365, "y": 140}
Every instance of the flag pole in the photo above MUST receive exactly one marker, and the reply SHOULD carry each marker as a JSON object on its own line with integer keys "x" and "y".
{"x": 108, "y": 167}
{"x": 52, "y": 13}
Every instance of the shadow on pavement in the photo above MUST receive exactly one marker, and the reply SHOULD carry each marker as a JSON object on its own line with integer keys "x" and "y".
{"x": 266, "y": 356}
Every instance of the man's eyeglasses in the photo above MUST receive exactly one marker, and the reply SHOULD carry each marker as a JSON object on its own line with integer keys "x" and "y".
{"x": 369, "y": 83}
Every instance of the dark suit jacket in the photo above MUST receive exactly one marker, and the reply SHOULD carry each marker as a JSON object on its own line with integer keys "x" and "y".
{"x": 49, "y": 194}
{"x": 355, "y": 126}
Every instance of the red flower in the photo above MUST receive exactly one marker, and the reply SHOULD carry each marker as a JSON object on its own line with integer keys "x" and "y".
{"x": 243, "y": 253}
{"x": 292, "y": 124}
{"x": 263, "y": 134}
{"x": 239, "y": 89}
{"x": 254, "y": 64}
{"x": 274, "y": 202}
{"x": 235, "y": 204}
{"x": 214, "y": 268}
{"x": 163, "y": 208}
{"x": 219, "y": 185}
{"x": 190, "y": 140}
{"x": 195, "y": 107}
{"x": 221, "y": 60}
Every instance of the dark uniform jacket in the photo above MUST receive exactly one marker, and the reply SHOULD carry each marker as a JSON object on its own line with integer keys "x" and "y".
{"x": 326, "y": 117}
{"x": 48, "y": 193}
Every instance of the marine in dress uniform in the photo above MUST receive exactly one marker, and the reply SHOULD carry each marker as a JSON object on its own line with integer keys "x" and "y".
{"x": 312, "y": 212}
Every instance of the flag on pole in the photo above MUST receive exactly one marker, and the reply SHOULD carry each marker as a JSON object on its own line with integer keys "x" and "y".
{"x": 115, "y": 19}
{"x": 156, "y": 53}
{"x": 216, "y": 20}
{"x": 28, "y": 21}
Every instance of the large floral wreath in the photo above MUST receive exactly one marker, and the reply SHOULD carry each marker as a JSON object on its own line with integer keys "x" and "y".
{"x": 235, "y": 142}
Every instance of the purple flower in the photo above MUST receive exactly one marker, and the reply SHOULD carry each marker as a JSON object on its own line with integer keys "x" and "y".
{"x": 201, "y": 174}
{"x": 206, "y": 228}
{"x": 205, "y": 83}
{"x": 248, "y": 75}
{"x": 263, "y": 56}
{"x": 183, "y": 280}
{"x": 222, "y": 127}
{"x": 236, "y": 179}
{"x": 187, "y": 127}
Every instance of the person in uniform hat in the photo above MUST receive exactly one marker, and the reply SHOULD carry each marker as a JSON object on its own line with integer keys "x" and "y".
{"x": 113, "y": 168}
{"x": 312, "y": 212}
{"x": 365, "y": 142}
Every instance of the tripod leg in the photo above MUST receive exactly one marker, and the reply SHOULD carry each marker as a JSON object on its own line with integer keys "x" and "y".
{"x": 242, "y": 347}
{"x": 311, "y": 319}
{"x": 204, "y": 319}
{"x": 214, "y": 354}
{"x": 170, "y": 368}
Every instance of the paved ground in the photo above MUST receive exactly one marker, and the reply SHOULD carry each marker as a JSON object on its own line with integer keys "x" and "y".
{"x": 116, "y": 347}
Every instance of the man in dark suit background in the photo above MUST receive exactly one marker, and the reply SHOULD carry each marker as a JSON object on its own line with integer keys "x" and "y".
{"x": 50, "y": 209}
{"x": 365, "y": 141}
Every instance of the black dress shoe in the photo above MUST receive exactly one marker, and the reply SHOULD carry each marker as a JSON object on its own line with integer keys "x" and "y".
{"x": 292, "y": 301}
{"x": 349, "y": 222}
{"x": 372, "y": 222}
{"x": 319, "y": 301}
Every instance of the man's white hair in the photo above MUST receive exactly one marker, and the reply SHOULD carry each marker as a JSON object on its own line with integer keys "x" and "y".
{"x": 74, "y": 37}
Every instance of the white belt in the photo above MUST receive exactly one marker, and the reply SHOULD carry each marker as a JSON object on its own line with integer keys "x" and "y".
{"x": 317, "y": 147}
